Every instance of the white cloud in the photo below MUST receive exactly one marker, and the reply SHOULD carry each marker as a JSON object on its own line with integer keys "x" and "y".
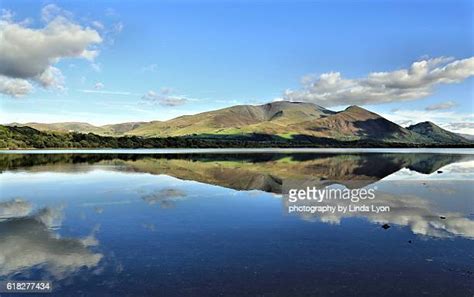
{"x": 150, "y": 95}
{"x": 110, "y": 32}
{"x": 164, "y": 98}
{"x": 418, "y": 81}
{"x": 99, "y": 86}
{"x": 28, "y": 54}
{"x": 51, "y": 77}
{"x": 98, "y": 25}
{"x": 441, "y": 106}
{"x": 6, "y": 14}
{"x": 449, "y": 120}
{"x": 14, "y": 87}
{"x": 464, "y": 127}
{"x": 51, "y": 11}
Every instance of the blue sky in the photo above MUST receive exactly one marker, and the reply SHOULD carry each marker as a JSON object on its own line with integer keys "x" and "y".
{"x": 158, "y": 60}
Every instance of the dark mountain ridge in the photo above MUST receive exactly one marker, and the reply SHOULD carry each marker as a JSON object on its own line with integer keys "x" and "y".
{"x": 436, "y": 133}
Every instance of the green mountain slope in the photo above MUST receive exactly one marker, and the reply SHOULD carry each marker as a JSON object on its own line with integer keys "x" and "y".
{"x": 277, "y": 121}
{"x": 120, "y": 129}
{"x": 270, "y": 118}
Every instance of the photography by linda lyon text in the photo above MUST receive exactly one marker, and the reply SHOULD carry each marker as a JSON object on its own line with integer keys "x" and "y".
{"x": 338, "y": 208}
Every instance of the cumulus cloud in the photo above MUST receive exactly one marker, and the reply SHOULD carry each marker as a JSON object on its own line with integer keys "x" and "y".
{"x": 418, "y": 81}
{"x": 164, "y": 98}
{"x": 51, "y": 77}
{"x": 14, "y": 87}
{"x": 29, "y": 54}
{"x": 441, "y": 106}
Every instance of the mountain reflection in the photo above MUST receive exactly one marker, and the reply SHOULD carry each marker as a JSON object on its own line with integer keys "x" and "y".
{"x": 265, "y": 172}
{"x": 28, "y": 240}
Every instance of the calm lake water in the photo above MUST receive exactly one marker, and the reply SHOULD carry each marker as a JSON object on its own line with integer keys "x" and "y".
{"x": 207, "y": 223}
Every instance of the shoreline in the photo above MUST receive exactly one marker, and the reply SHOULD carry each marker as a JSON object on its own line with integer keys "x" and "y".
{"x": 236, "y": 150}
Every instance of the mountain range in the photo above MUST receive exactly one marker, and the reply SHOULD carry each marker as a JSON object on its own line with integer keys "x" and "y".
{"x": 281, "y": 119}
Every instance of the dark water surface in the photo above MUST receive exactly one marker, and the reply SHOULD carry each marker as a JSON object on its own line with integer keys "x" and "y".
{"x": 207, "y": 224}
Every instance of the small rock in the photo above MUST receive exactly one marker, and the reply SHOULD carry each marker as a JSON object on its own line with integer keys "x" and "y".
{"x": 443, "y": 218}
{"x": 385, "y": 226}
{"x": 439, "y": 171}
{"x": 409, "y": 241}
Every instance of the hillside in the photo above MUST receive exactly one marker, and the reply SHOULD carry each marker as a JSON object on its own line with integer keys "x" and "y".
{"x": 357, "y": 123}
{"x": 437, "y": 133}
{"x": 120, "y": 129}
{"x": 290, "y": 123}
{"x": 80, "y": 127}
{"x": 271, "y": 118}
{"x": 63, "y": 127}
{"x": 290, "y": 120}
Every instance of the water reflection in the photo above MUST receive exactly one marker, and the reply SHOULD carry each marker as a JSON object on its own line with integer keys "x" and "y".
{"x": 268, "y": 172}
{"x": 411, "y": 211}
{"x": 28, "y": 240}
{"x": 174, "y": 223}
{"x": 265, "y": 172}
{"x": 164, "y": 197}
{"x": 14, "y": 208}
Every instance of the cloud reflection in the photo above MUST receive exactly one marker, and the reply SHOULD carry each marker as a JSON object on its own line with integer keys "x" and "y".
{"x": 411, "y": 211}
{"x": 166, "y": 198}
{"x": 27, "y": 241}
{"x": 14, "y": 208}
